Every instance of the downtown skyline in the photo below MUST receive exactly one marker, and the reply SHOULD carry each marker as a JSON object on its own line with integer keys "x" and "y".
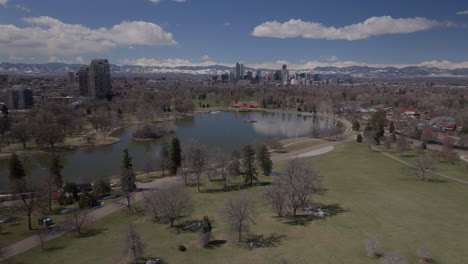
{"x": 264, "y": 34}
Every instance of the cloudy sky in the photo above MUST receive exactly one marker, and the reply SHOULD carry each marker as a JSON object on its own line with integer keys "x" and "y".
{"x": 260, "y": 33}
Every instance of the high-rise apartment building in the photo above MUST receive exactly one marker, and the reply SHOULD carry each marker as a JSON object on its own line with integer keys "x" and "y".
{"x": 71, "y": 77}
{"x": 19, "y": 97}
{"x": 284, "y": 74}
{"x": 83, "y": 80}
{"x": 242, "y": 72}
{"x": 95, "y": 80}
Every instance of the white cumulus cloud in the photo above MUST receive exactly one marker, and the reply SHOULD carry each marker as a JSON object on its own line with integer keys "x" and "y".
{"x": 463, "y": 12}
{"x": 206, "y": 57}
{"x": 50, "y": 36}
{"x": 373, "y": 26}
{"x": 168, "y": 62}
{"x": 3, "y": 2}
{"x": 23, "y": 8}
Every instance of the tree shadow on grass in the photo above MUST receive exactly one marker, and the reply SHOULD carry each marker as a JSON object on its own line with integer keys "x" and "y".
{"x": 50, "y": 250}
{"x": 233, "y": 188}
{"x": 189, "y": 226}
{"x": 435, "y": 180}
{"x": 215, "y": 244}
{"x": 262, "y": 241}
{"x": 92, "y": 232}
{"x": 305, "y": 218}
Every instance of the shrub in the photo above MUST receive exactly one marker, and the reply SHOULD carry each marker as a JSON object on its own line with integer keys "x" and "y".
{"x": 182, "y": 248}
{"x": 359, "y": 138}
{"x": 88, "y": 199}
{"x": 372, "y": 247}
{"x": 423, "y": 145}
{"x": 102, "y": 187}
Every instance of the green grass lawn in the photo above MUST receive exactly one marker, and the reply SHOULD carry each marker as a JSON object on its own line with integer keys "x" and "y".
{"x": 376, "y": 197}
{"x": 211, "y": 103}
{"x": 457, "y": 168}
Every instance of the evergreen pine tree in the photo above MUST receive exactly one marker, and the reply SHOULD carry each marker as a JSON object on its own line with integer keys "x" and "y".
{"x": 264, "y": 160}
{"x": 17, "y": 173}
{"x": 55, "y": 170}
{"x": 127, "y": 161}
{"x": 248, "y": 162}
{"x": 175, "y": 155}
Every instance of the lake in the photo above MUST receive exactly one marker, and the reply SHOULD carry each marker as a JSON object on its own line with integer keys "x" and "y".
{"x": 226, "y": 130}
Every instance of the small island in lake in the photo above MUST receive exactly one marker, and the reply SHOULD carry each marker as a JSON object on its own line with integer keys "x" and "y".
{"x": 149, "y": 132}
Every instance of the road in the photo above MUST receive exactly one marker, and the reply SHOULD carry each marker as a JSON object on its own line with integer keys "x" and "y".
{"x": 31, "y": 242}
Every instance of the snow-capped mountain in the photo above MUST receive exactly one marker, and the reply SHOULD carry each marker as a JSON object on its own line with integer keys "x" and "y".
{"x": 352, "y": 71}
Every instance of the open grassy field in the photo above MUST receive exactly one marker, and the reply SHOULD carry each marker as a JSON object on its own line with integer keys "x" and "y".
{"x": 371, "y": 194}
{"x": 456, "y": 168}
{"x": 211, "y": 103}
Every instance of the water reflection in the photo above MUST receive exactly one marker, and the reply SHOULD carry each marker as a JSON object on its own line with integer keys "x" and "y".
{"x": 225, "y": 130}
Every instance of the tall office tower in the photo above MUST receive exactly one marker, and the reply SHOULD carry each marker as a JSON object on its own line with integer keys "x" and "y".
{"x": 83, "y": 80}
{"x": 258, "y": 76}
{"x": 224, "y": 77}
{"x": 232, "y": 76}
{"x": 238, "y": 71}
{"x": 100, "y": 85}
{"x": 284, "y": 75}
{"x": 19, "y": 97}
{"x": 242, "y": 72}
{"x": 71, "y": 77}
{"x": 249, "y": 75}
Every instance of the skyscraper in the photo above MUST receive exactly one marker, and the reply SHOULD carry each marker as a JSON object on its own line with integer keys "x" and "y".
{"x": 284, "y": 74}
{"x": 242, "y": 72}
{"x": 95, "y": 80}
{"x": 19, "y": 97}
{"x": 238, "y": 71}
{"x": 83, "y": 80}
{"x": 71, "y": 77}
{"x": 100, "y": 85}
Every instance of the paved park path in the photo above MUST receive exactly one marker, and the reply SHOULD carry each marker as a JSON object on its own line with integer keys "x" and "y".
{"x": 413, "y": 166}
{"x": 31, "y": 242}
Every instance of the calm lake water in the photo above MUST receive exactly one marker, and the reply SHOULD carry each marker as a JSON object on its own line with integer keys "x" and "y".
{"x": 226, "y": 130}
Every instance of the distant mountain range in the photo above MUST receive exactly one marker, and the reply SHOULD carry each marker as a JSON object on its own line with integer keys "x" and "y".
{"x": 56, "y": 69}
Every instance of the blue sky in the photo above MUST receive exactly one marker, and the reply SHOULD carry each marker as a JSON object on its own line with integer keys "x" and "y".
{"x": 199, "y": 32}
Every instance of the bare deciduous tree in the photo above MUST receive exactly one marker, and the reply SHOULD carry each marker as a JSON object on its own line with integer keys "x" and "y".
{"x": 300, "y": 181}
{"x": 132, "y": 243}
{"x": 239, "y": 212}
{"x": 277, "y": 197}
{"x": 41, "y": 236}
{"x": 424, "y": 254}
{"x": 423, "y": 164}
{"x": 76, "y": 220}
{"x": 372, "y": 247}
{"x": 151, "y": 204}
{"x": 196, "y": 157}
{"x": 394, "y": 257}
{"x": 370, "y": 137}
{"x": 403, "y": 144}
{"x": 22, "y": 131}
{"x": 27, "y": 194}
{"x": 173, "y": 203}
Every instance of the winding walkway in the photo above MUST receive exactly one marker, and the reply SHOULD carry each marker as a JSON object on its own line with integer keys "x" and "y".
{"x": 31, "y": 242}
